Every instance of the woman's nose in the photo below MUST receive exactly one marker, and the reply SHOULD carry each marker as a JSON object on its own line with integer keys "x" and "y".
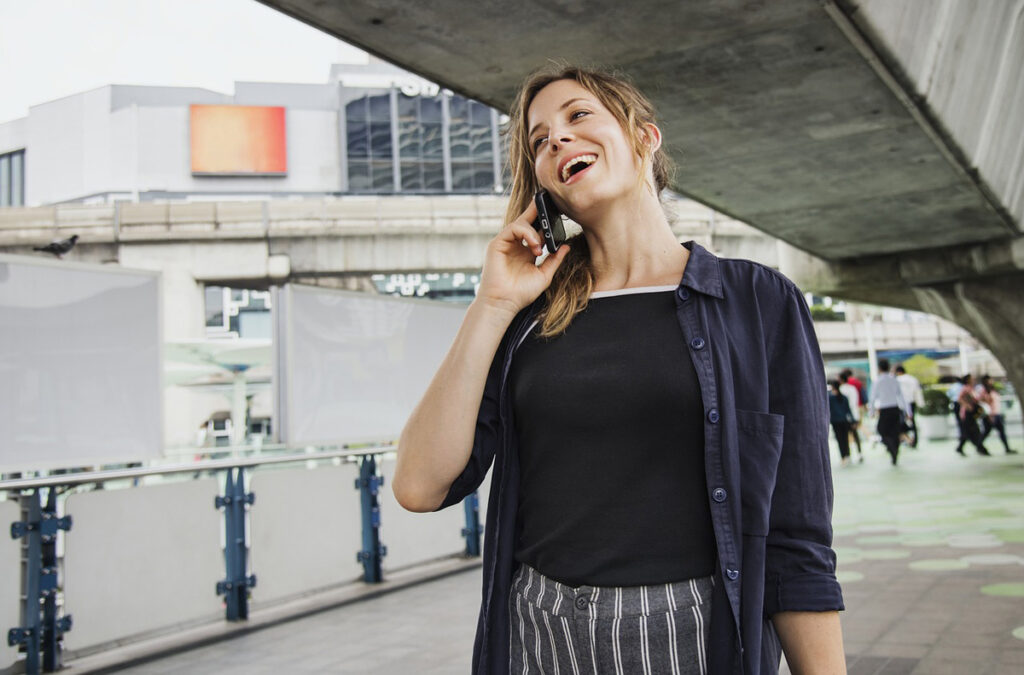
{"x": 559, "y": 139}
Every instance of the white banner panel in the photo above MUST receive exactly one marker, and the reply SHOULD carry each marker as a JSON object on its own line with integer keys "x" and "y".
{"x": 354, "y": 365}
{"x": 142, "y": 559}
{"x": 306, "y": 529}
{"x": 10, "y": 580}
{"x": 80, "y": 363}
{"x": 416, "y": 537}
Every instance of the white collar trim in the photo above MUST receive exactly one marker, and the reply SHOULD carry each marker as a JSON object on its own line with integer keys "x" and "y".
{"x": 630, "y": 291}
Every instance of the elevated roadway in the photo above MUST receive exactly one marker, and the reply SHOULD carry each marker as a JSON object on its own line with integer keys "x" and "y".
{"x": 341, "y": 242}
{"x": 883, "y": 141}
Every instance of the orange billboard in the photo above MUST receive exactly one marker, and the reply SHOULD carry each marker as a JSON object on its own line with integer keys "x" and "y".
{"x": 238, "y": 140}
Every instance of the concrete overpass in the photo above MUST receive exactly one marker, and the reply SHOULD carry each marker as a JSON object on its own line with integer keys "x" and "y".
{"x": 338, "y": 242}
{"x": 884, "y": 141}
{"x": 341, "y": 242}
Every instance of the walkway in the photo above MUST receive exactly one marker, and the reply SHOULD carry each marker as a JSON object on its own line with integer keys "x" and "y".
{"x": 931, "y": 556}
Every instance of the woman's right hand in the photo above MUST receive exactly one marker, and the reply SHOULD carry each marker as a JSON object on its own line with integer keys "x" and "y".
{"x": 511, "y": 278}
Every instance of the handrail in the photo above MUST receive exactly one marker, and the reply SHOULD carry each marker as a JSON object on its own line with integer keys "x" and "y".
{"x": 69, "y": 479}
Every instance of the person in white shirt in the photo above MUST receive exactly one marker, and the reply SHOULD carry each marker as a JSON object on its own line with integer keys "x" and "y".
{"x": 887, "y": 400}
{"x": 913, "y": 395}
{"x": 853, "y": 396}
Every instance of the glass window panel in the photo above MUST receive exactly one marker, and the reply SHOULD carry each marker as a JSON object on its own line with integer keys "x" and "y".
{"x": 5, "y": 180}
{"x": 383, "y": 177}
{"x": 380, "y": 107}
{"x": 356, "y": 110}
{"x": 462, "y": 176}
{"x": 357, "y": 134}
{"x": 406, "y": 106}
{"x": 480, "y": 143}
{"x": 409, "y": 139}
{"x": 214, "y": 296}
{"x": 430, "y": 109}
{"x": 380, "y": 140}
{"x": 433, "y": 176}
{"x": 359, "y": 176}
{"x": 433, "y": 141}
{"x": 480, "y": 115}
{"x": 412, "y": 176}
{"x": 458, "y": 137}
{"x": 483, "y": 177}
{"x": 18, "y": 179}
{"x": 458, "y": 108}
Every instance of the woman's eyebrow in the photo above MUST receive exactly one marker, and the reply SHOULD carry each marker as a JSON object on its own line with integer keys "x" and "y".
{"x": 560, "y": 108}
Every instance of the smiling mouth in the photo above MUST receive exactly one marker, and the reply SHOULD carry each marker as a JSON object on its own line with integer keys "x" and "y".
{"x": 577, "y": 165}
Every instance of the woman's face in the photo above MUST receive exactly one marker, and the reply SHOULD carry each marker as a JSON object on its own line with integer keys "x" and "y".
{"x": 581, "y": 154}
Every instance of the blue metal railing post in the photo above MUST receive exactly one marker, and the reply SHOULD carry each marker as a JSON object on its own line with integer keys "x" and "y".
{"x": 235, "y": 587}
{"x": 369, "y": 484}
{"x": 40, "y": 634}
{"x": 472, "y": 530}
{"x": 53, "y": 626}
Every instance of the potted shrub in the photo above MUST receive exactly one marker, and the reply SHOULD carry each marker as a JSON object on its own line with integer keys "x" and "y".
{"x": 934, "y": 416}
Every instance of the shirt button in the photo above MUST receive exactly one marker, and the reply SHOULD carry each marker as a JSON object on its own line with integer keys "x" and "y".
{"x": 719, "y": 495}
{"x": 582, "y": 602}
{"x": 697, "y": 343}
{"x": 683, "y": 293}
{"x": 713, "y": 416}
{"x": 732, "y": 574}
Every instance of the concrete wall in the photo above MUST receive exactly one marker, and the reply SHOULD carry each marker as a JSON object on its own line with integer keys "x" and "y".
{"x": 964, "y": 59}
{"x": 13, "y": 135}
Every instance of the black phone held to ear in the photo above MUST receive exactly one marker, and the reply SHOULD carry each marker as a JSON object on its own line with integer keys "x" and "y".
{"x": 549, "y": 221}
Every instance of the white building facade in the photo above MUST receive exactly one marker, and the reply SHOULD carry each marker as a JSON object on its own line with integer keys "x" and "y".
{"x": 370, "y": 129}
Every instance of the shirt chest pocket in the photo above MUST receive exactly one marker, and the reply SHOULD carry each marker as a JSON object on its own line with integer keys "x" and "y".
{"x": 760, "y": 446}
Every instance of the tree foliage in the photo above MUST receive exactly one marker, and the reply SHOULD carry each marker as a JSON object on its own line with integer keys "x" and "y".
{"x": 926, "y": 370}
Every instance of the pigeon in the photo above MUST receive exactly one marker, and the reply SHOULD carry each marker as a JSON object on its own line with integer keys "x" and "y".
{"x": 58, "y": 247}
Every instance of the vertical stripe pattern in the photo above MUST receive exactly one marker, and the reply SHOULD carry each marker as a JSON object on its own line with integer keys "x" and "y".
{"x": 559, "y": 629}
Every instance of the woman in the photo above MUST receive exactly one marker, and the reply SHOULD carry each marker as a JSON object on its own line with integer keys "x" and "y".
{"x": 993, "y": 418}
{"x": 654, "y": 416}
{"x": 853, "y": 398}
{"x": 841, "y": 418}
{"x": 969, "y": 412}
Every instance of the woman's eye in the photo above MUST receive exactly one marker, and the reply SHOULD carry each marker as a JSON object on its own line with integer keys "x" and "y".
{"x": 536, "y": 143}
{"x": 578, "y": 114}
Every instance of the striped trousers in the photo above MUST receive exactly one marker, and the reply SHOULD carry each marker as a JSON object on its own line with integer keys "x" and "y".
{"x": 591, "y": 630}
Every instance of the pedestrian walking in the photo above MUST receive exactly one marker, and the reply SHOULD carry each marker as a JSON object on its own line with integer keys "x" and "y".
{"x": 991, "y": 401}
{"x": 970, "y": 412}
{"x": 914, "y": 396}
{"x": 841, "y": 418}
{"x": 853, "y": 397}
{"x": 888, "y": 403}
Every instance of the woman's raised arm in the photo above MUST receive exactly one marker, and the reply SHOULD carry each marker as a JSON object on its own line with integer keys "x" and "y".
{"x": 437, "y": 440}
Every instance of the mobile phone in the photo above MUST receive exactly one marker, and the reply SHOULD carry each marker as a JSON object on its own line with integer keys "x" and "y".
{"x": 549, "y": 221}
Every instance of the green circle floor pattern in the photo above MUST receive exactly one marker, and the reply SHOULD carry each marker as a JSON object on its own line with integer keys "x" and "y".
{"x": 939, "y": 565}
{"x": 1004, "y": 590}
{"x": 933, "y": 500}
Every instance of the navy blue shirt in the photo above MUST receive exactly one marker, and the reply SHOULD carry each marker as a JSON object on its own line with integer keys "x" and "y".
{"x": 751, "y": 339}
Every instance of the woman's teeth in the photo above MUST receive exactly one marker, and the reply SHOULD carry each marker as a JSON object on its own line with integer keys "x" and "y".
{"x": 567, "y": 169}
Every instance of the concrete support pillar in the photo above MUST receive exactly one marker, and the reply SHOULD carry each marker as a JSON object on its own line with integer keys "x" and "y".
{"x": 992, "y": 310}
{"x": 980, "y": 288}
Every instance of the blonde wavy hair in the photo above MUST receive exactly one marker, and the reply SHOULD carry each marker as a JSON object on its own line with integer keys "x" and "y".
{"x": 570, "y": 288}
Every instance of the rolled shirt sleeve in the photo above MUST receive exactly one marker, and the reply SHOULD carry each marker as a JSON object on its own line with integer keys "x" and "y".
{"x": 800, "y": 563}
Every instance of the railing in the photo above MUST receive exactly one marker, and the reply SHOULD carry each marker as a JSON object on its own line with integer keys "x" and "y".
{"x": 144, "y": 559}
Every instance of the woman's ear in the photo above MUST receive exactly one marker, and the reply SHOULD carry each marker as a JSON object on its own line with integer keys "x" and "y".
{"x": 650, "y": 135}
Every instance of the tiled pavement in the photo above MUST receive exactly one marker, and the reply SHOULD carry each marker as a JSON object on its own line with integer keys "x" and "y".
{"x": 931, "y": 556}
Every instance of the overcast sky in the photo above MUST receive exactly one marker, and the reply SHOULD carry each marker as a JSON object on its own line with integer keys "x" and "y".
{"x": 53, "y": 48}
